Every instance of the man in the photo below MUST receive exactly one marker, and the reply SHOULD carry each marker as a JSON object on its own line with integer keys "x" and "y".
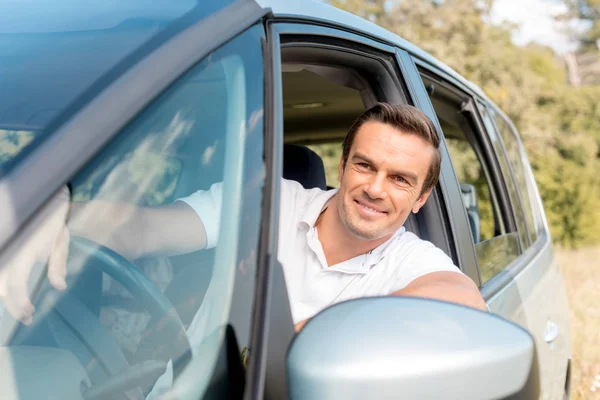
{"x": 334, "y": 245}
{"x": 351, "y": 243}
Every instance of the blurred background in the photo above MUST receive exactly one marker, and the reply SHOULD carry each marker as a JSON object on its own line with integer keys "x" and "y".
{"x": 539, "y": 60}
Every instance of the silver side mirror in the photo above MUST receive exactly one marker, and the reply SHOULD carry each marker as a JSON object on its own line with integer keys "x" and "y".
{"x": 408, "y": 348}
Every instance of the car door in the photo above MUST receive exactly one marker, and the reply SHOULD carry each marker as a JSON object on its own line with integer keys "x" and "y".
{"x": 518, "y": 275}
{"x": 183, "y": 114}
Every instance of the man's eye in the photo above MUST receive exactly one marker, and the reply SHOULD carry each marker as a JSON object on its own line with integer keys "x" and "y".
{"x": 364, "y": 165}
{"x": 400, "y": 179}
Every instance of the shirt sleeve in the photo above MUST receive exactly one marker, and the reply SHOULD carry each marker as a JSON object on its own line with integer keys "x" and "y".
{"x": 207, "y": 204}
{"x": 423, "y": 258}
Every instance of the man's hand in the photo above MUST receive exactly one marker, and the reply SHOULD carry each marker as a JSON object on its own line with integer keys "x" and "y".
{"x": 49, "y": 243}
{"x": 447, "y": 286}
{"x": 298, "y": 327}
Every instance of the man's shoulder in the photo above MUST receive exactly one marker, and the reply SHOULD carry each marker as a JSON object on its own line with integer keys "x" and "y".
{"x": 296, "y": 187}
{"x": 293, "y": 189}
{"x": 408, "y": 238}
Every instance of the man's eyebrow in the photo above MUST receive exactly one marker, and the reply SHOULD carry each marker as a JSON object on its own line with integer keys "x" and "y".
{"x": 409, "y": 176}
{"x": 361, "y": 157}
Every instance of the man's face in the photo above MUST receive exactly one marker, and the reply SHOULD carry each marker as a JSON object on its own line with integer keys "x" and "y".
{"x": 382, "y": 180}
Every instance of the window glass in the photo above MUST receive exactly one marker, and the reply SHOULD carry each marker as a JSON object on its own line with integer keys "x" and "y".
{"x": 496, "y": 247}
{"x": 475, "y": 189}
{"x": 517, "y": 162}
{"x": 141, "y": 307}
{"x": 50, "y": 58}
{"x": 506, "y": 173}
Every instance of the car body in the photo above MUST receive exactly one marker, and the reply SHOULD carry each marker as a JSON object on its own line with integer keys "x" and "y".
{"x": 148, "y": 104}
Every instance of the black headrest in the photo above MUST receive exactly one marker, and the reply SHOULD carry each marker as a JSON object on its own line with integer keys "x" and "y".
{"x": 303, "y": 165}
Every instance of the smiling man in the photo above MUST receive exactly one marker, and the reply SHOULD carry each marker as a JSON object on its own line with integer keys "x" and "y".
{"x": 342, "y": 244}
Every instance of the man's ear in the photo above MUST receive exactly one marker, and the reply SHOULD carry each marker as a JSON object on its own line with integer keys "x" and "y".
{"x": 341, "y": 170}
{"x": 421, "y": 201}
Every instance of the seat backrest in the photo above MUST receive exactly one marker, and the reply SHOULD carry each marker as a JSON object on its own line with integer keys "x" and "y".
{"x": 303, "y": 165}
{"x": 469, "y": 195}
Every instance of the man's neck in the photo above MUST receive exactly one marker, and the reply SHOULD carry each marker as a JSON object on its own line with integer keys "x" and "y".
{"x": 338, "y": 243}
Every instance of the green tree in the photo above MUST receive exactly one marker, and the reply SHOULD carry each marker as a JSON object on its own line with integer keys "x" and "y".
{"x": 588, "y": 11}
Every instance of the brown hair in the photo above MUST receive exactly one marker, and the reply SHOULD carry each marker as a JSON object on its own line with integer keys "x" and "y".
{"x": 407, "y": 119}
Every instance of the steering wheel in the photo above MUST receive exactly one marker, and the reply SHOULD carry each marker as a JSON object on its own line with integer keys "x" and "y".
{"x": 153, "y": 300}
{"x": 164, "y": 318}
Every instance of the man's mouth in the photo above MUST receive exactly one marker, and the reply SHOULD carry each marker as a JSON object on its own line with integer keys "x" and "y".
{"x": 369, "y": 208}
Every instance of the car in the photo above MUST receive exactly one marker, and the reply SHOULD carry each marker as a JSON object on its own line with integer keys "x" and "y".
{"x": 144, "y": 103}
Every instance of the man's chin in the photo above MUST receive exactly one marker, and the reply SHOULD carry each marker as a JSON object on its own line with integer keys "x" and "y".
{"x": 366, "y": 234}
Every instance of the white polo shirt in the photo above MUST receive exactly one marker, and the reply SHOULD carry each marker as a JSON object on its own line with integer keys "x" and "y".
{"x": 313, "y": 285}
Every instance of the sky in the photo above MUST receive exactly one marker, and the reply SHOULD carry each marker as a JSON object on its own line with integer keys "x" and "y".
{"x": 536, "y": 22}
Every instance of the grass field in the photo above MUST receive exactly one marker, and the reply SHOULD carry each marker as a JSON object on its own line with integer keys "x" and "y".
{"x": 581, "y": 270}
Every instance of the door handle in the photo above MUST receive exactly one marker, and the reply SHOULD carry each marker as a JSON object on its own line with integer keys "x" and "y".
{"x": 551, "y": 332}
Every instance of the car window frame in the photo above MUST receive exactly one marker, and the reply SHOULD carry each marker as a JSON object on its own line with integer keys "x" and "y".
{"x": 399, "y": 73}
{"x": 442, "y": 233}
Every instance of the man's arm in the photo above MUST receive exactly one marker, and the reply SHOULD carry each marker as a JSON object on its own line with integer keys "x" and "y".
{"x": 139, "y": 231}
{"x": 129, "y": 230}
{"x": 441, "y": 285}
{"x": 447, "y": 286}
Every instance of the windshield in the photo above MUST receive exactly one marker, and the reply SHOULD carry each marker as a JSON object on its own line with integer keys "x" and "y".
{"x": 51, "y": 52}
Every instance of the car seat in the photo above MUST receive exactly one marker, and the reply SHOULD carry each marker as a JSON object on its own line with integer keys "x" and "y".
{"x": 303, "y": 165}
{"x": 469, "y": 195}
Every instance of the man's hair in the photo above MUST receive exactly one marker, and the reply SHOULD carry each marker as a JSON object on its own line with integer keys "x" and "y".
{"x": 410, "y": 121}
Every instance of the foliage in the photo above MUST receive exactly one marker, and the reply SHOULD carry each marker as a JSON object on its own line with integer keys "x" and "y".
{"x": 12, "y": 143}
{"x": 588, "y": 11}
{"x": 559, "y": 124}
{"x": 331, "y": 154}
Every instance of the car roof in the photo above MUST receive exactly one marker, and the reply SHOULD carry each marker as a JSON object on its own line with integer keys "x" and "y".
{"x": 317, "y": 10}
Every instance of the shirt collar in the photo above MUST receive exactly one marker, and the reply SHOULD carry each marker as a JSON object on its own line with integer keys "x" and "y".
{"x": 315, "y": 207}
{"x": 378, "y": 253}
{"x": 362, "y": 264}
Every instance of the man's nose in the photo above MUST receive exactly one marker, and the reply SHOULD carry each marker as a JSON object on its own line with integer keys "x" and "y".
{"x": 375, "y": 188}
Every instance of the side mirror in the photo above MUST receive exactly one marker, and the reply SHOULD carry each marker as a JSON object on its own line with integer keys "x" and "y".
{"x": 409, "y": 348}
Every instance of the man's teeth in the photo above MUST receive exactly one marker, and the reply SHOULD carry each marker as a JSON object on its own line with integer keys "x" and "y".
{"x": 369, "y": 208}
